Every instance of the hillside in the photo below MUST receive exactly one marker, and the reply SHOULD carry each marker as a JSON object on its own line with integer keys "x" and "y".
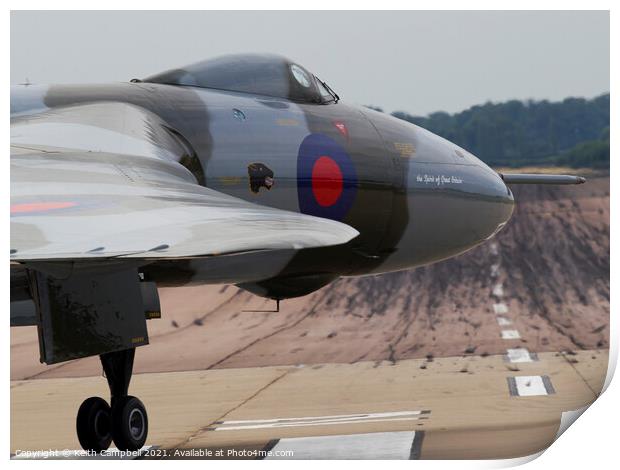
{"x": 552, "y": 260}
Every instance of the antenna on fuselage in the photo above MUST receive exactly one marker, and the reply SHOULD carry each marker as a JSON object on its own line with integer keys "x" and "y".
{"x": 266, "y": 311}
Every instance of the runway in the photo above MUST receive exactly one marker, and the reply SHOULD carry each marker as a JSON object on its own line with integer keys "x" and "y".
{"x": 503, "y": 397}
{"x": 498, "y": 406}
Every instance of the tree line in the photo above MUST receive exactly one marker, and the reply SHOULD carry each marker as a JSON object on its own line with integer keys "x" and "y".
{"x": 573, "y": 132}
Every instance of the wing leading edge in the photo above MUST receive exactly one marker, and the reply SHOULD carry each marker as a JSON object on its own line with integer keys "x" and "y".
{"x": 70, "y": 205}
{"x": 106, "y": 180}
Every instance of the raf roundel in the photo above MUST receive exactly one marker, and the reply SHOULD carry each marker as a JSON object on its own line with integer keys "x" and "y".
{"x": 326, "y": 178}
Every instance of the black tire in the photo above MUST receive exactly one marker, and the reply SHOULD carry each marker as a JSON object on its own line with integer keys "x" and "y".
{"x": 130, "y": 423}
{"x": 93, "y": 424}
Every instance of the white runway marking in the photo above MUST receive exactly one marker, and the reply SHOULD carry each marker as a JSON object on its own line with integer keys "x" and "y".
{"x": 495, "y": 270}
{"x": 111, "y": 454}
{"x": 503, "y": 321}
{"x": 237, "y": 425}
{"x": 498, "y": 290}
{"x": 518, "y": 355}
{"x": 510, "y": 334}
{"x": 500, "y": 308}
{"x": 530, "y": 386}
{"x": 371, "y": 446}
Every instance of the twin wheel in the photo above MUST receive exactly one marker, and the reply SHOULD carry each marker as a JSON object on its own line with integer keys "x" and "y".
{"x": 125, "y": 423}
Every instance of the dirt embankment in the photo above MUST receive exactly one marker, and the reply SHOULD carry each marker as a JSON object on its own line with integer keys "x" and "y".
{"x": 552, "y": 261}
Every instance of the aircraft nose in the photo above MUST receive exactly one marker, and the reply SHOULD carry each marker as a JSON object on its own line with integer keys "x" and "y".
{"x": 452, "y": 208}
{"x": 495, "y": 202}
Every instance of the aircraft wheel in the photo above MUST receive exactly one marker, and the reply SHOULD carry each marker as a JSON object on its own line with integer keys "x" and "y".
{"x": 130, "y": 424}
{"x": 93, "y": 424}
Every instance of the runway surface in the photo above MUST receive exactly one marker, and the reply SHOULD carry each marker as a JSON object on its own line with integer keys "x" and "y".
{"x": 454, "y": 361}
{"x": 547, "y": 271}
{"x": 499, "y": 406}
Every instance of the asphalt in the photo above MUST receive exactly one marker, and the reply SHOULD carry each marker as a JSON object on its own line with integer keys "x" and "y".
{"x": 504, "y": 404}
{"x": 434, "y": 408}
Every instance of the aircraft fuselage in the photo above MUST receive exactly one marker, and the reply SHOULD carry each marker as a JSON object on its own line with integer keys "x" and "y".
{"x": 415, "y": 198}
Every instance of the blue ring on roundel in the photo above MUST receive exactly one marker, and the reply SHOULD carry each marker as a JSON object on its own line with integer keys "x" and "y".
{"x": 311, "y": 149}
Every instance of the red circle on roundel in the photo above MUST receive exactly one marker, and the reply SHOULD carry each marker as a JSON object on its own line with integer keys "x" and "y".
{"x": 326, "y": 181}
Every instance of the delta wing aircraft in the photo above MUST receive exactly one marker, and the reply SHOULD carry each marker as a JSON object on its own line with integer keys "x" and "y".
{"x": 243, "y": 169}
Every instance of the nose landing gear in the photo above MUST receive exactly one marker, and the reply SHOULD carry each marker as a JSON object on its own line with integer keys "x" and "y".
{"x": 125, "y": 422}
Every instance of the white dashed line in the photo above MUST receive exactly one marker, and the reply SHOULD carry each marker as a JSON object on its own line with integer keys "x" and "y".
{"x": 503, "y": 321}
{"x": 237, "y": 425}
{"x": 500, "y": 308}
{"x": 498, "y": 290}
{"x": 530, "y": 386}
{"x": 518, "y": 355}
{"x": 510, "y": 334}
{"x": 495, "y": 270}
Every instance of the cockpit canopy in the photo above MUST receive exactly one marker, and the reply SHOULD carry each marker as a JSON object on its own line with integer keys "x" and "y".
{"x": 260, "y": 74}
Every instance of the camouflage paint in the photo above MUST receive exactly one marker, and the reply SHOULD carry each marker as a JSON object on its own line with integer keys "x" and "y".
{"x": 414, "y": 197}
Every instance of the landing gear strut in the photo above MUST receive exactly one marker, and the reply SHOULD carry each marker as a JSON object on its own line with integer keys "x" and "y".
{"x": 125, "y": 422}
